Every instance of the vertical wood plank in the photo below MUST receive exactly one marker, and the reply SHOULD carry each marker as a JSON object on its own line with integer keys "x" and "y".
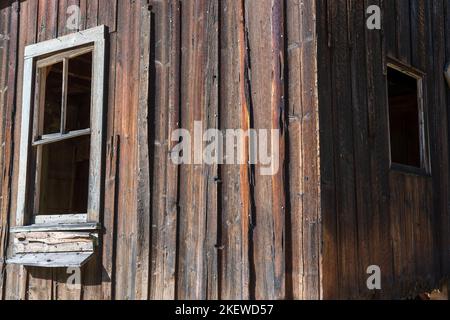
{"x": 126, "y": 104}
{"x": 346, "y": 206}
{"x": 389, "y": 10}
{"x": 47, "y": 20}
{"x": 304, "y": 167}
{"x": 330, "y": 268}
{"x": 235, "y": 205}
{"x": 211, "y": 115}
{"x": 294, "y": 242}
{"x": 438, "y": 115}
{"x": 378, "y": 45}
{"x": 446, "y": 225}
{"x": 143, "y": 179}
{"x": 165, "y": 90}
{"x": 199, "y": 100}
{"x": 403, "y": 22}
{"x": 357, "y": 18}
{"x": 312, "y": 229}
{"x": 109, "y": 13}
{"x": 111, "y": 177}
{"x": 170, "y": 232}
{"x": 266, "y": 43}
{"x": 8, "y": 57}
{"x": 418, "y": 53}
{"x": 92, "y": 13}
{"x": 28, "y": 32}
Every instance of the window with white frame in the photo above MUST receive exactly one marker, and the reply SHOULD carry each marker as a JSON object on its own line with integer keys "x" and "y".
{"x": 59, "y": 189}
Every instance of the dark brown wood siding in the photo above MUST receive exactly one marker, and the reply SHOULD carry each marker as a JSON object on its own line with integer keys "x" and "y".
{"x": 373, "y": 215}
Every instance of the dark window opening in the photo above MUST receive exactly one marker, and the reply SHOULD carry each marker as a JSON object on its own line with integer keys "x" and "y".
{"x": 64, "y": 177}
{"x": 53, "y": 98}
{"x": 404, "y": 119}
{"x": 79, "y": 93}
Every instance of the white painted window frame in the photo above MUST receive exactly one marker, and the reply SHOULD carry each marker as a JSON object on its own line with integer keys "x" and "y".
{"x": 96, "y": 38}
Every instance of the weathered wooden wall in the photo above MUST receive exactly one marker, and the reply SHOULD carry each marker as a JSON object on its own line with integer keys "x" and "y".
{"x": 225, "y": 231}
{"x": 27, "y": 22}
{"x": 190, "y": 231}
{"x": 372, "y": 215}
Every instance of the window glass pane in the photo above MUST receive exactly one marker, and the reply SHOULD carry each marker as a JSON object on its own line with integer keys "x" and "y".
{"x": 64, "y": 177}
{"x": 53, "y": 98}
{"x": 404, "y": 119}
{"x": 79, "y": 93}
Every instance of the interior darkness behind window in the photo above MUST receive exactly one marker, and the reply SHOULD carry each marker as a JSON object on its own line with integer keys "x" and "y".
{"x": 404, "y": 119}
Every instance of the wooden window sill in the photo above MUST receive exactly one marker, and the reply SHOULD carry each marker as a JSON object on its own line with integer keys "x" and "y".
{"x": 54, "y": 245}
{"x": 57, "y": 227}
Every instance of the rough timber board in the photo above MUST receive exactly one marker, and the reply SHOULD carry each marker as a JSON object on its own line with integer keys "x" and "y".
{"x": 53, "y": 242}
{"x": 57, "y": 227}
{"x": 60, "y": 219}
{"x": 51, "y": 260}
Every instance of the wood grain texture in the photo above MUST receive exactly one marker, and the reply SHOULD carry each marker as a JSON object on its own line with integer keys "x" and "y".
{"x": 235, "y": 181}
{"x": 198, "y": 203}
{"x": 374, "y": 214}
{"x": 127, "y": 101}
{"x": 53, "y": 242}
{"x": 266, "y": 60}
{"x": 21, "y": 278}
{"x": 308, "y": 68}
{"x": 8, "y": 77}
{"x": 303, "y": 150}
{"x": 144, "y": 179}
{"x": 164, "y": 112}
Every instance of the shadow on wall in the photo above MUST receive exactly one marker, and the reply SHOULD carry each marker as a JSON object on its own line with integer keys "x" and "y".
{"x": 70, "y": 276}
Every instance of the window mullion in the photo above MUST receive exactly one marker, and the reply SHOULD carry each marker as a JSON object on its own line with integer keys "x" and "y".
{"x": 64, "y": 95}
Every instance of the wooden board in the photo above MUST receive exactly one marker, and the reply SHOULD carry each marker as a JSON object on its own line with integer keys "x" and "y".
{"x": 52, "y": 260}
{"x": 54, "y": 242}
{"x": 61, "y": 219}
{"x": 56, "y": 227}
